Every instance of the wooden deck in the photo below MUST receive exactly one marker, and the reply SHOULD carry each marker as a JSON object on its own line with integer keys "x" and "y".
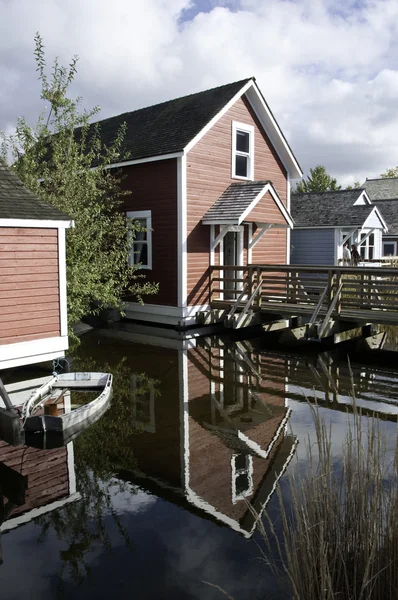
{"x": 357, "y": 294}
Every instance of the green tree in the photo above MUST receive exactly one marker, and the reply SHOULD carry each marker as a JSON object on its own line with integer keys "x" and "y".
{"x": 393, "y": 172}
{"x": 357, "y": 184}
{"x": 54, "y": 159}
{"x": 317, "y": 181}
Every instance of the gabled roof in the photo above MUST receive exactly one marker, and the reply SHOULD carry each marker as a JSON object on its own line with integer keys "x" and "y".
{"x": 389, "y": 210}
{"x": 238, "y": 200}
{"x": 172, "y": 127}
{"x": 331, "y": 209}
{"x": 17, "y": 202}
{"x": 385, "y": 188}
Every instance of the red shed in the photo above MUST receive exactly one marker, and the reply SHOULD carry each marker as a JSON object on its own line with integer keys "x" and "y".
{"x": 33, "y": 319}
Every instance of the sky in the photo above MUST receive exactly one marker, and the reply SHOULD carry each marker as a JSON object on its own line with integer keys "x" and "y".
{"x": 327, "y": 68}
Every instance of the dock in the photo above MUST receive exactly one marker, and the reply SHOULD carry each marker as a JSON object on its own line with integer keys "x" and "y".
{"x": 324, "y": 300}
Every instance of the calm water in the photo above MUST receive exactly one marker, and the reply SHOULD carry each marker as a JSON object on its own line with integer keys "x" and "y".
{"x": 151, "y": 501}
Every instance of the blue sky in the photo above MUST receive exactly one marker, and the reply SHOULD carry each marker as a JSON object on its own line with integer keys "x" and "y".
{"x": 328, "y": 68}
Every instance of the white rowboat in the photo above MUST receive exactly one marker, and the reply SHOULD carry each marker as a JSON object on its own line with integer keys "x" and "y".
{"x": 51, "y": 393}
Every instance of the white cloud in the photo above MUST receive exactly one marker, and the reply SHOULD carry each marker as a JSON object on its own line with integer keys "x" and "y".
{"x": 327, "y": 67}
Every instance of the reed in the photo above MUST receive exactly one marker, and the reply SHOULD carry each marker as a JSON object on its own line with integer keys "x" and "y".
{"x": 339, "y": 537}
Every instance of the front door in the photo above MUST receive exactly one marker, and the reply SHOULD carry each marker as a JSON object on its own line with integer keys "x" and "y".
{"x": 232, "y": 256}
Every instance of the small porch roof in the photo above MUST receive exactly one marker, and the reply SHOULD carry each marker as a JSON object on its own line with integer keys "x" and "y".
{"x": 237, "y": 202}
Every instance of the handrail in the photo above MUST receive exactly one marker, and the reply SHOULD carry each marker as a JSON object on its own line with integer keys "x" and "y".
{"x": 248, "y": 303}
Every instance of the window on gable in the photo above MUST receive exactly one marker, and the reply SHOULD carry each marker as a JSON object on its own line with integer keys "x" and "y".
{"x": 141, "y": 245}
{"x": 242, "y": 151}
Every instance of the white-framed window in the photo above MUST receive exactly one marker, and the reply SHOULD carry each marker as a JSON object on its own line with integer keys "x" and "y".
{"x": 242, "y": 476}
{"x": 242, "y": 151}
{"x": 141, "y": 245}
{"x": 367, "y": 247}
{"x": 390, "y": 248}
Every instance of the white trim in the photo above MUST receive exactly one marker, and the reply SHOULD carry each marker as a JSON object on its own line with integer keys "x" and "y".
{"x": 147, "y": 215}
{"x": 218, "y": 116}
{"x": 168, "y": 315}
{"x": 268, "y": 188}
{"x": 263, "y": 227}
{"x": 236, "y": 126}
{"x": 288, "y": 231}
{"x": 33, "y": 351}
{"x": 42, "y": 224}
{"x": 249, "y": 243}
{"x": 37, "y": 512}
{"x": 273, "y": 131}
{"x": 223, "y": 232}
{"x": 382, "y": 221}
{"x": 63, "y": 310}
{"x": 267, "y": 121}
{"x": 182, "y": 258}
{"x": 140, "y": 161}
{"x": 212, "y": 253}
{"x": 364, "y": 197}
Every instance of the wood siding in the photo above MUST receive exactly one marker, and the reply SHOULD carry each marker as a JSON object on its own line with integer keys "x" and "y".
{"x": 47, "y": 472}
{"x": 208, "y": 175}
{"x": 312, "y": 246}
{"x": 29, "y": 291}
{"x": 153, "y": 187}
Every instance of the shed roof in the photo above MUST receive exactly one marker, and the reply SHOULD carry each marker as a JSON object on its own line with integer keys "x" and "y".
{"x": 384, "y": 188}
{"x": 236, "y": 202}
{"x": 329, "y": 209}
{"x": 17, "y": 202}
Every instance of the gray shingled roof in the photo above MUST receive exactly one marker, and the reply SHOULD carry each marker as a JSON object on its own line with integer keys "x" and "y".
{"x": 234, "y": 201}
{"x": 329, "y": 209}
{"x": 389, "y": 210}
{"x": 382, "y": 189}
{"x": 167, "y": 127}
{"x": 17, "y": 202}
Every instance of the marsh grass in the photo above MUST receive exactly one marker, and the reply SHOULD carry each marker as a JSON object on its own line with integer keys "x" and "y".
{"x": 339, "y": 535}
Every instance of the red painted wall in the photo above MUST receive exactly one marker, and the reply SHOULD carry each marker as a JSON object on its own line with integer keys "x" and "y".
{"x": 29, "y": 284}
{"x": 153, "y": 187}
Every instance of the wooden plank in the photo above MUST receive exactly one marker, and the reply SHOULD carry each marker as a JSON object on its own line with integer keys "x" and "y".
{"x": 35, "y": 316}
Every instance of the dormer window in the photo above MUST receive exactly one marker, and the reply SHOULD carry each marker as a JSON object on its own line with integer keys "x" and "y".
{"x": 242, "y": 151}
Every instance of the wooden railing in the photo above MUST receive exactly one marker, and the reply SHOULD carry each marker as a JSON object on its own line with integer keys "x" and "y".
{"x": 311, "y": 288}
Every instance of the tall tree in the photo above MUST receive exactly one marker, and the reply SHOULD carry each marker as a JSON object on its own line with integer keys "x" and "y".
{"x": 317, "y": 181}
{"x": 393, "y": 172}
{"x": 56, "y": 164}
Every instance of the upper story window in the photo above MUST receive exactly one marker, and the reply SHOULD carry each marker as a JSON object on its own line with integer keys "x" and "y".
{"x": 242, "y": 151}
{"x": 141, "y": 246}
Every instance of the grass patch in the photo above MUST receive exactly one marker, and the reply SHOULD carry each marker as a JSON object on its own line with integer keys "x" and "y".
{"x": 339, "y": 537}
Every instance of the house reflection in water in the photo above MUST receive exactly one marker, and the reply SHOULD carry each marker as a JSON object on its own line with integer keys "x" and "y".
{"x": 214, "y": 438}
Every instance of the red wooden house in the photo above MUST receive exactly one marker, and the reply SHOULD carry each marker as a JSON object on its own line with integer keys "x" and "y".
{"x": 209, "y": 176}
{"x": 33, "y": 319}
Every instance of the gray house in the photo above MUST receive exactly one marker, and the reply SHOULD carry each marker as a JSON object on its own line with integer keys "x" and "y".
{"x": 384, "y": 193}
{"x": 324, "y": 222}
